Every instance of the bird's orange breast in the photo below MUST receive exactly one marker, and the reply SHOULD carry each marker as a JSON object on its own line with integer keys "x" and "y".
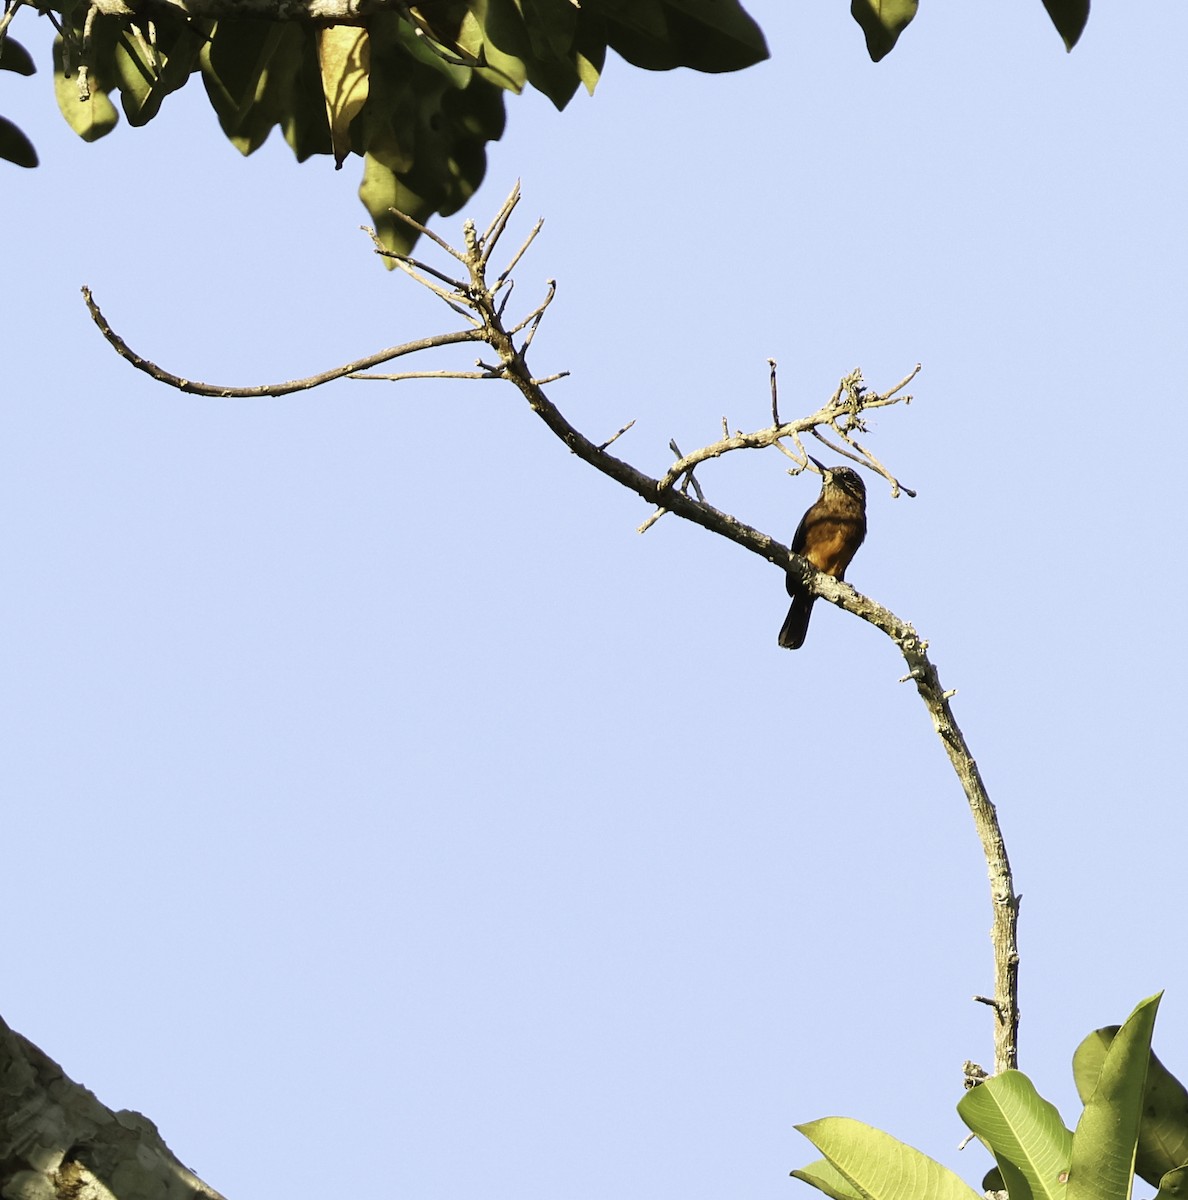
{"x": 830, "y": 543}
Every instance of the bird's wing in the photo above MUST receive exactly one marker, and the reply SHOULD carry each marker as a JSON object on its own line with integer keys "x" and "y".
{"x": 797, "y": 546}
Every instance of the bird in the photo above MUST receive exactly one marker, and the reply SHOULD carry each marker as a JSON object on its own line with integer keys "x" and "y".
{"x": 828, "y": 535}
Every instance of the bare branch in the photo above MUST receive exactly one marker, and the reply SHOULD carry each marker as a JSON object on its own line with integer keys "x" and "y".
{"x": 269, "y": 389}
{"x": 842, "y": 415}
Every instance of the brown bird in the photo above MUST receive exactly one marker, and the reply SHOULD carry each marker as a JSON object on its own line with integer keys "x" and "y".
{"x": 828, "y": 535}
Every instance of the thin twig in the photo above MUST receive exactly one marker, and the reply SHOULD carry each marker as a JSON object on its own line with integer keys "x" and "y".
{"x": 511, "y": 284}
{"x": 775, "y": 397}
{"x": 611, "y": 440}
{"x": 896, "y": 486}
{"x": 690, "y": 478}
{"x": 408, "y": 260}
{"x": 427, "y": 375}
{"x": 538, "y": 311}
{"x": 505, "y": 274}
{"x": 499, "y": 224}
{"x": 902, "y": 383}
{"x": 433, "y": 237}
{"x": 10, "y": 12}
{"x": 651, "y": 520}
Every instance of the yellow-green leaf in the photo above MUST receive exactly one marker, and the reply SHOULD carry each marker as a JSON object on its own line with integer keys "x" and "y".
{"x": 882, "y": 22}
{"x": 381, "y": 191}
{"x": 90, "y": 117}
{"x": 1023, "y": 1131}
{"x": 1106, "y": 1137}
{"x": 875, "y": 1164}
{"x": 344, "y": 54}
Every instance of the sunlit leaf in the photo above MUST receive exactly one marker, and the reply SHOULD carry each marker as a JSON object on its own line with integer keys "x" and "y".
{"x": 424, "y": 136}
{"x": 1163, "y": 1134}
{"x": 1029, "y": 1141}
{"x": 879, "y": 1166}
{"x": 381, "y": 191}
{"x": 1106, "y": 1137}
{"x": 344, "y": 55}
{"x": 90, "y": 116}
{"x": 882, "y": 22}
{"x": 146, "y": 71}
{"x": 1173, "y": 1185}
{"x": 825, "y": 1177}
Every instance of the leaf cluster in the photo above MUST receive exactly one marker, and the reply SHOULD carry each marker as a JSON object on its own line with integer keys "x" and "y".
{"x": 416, "y": 92}
{"x": 1134, "y": 1122}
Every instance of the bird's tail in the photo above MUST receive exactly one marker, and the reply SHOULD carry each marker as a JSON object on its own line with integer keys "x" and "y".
{"x": 796, "y": 623}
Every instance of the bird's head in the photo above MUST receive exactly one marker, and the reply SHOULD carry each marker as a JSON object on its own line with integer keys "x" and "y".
{"x": 844, "y": 478}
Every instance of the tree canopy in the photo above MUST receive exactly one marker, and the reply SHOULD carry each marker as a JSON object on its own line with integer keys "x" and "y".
{"x": 416, "y": 91}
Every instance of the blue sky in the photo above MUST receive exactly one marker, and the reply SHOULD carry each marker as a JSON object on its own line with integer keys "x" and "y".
{"x": 381, "y": 808}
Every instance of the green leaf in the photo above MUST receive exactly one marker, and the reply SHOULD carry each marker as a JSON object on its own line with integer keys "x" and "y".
{"x": 91, "y": 117}
{"x": 706, "y": 35}
{"x": 381, "y": 191}
{"x": 259, "y": 74}
{"x": 878, "y": 1166}
{"x": 551, "y": 25}
{"x": 589, "y": 57}
{"x": 423, "y": 135}
{"x": 992, "y": 1181}
{"x": 344, "y": 56}
{"x": 1163, "y": 1134}
{"x": 1173, "y": 1185}
{"x": 146, "y": 72}
{"x": 14, "y": 57}
{"x": 1106, "y": 1138}
{"x": 882, "y": 22}
{"x": 1069, "y": 17}
{"x": 506, "y": 70}
{"x": 1024, "y": 1132}
{"x": 825, "y": 1177}
{"x": 14, "y": 146}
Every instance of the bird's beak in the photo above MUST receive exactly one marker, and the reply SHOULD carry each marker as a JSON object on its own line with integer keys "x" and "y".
{"x": 819, "y": 464}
